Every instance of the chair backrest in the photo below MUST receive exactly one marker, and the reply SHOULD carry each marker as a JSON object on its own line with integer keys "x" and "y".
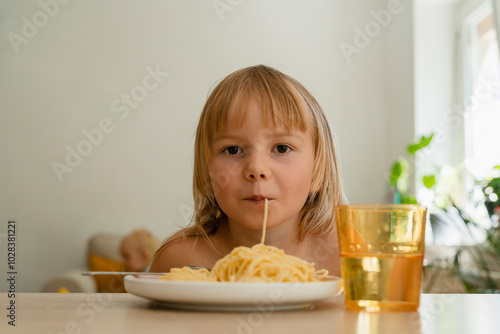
{"x": 106, "y": 245}
{"x": 104, "y": 255}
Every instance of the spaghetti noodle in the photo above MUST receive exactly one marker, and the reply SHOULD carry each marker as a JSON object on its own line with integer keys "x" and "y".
{"x": 260, "y": 263}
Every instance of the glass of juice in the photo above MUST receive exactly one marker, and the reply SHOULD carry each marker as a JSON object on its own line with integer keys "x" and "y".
{"x": 382, "y": 249}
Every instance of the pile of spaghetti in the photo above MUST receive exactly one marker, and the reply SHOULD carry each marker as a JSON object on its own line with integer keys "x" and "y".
{"x": 261, "y": 263}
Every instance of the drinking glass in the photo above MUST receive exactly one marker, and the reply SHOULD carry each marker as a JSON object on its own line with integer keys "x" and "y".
{"x": 382, "y": 250}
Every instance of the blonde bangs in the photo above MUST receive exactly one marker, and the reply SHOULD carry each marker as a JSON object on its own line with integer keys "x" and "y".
{"x": 280, "y": 102}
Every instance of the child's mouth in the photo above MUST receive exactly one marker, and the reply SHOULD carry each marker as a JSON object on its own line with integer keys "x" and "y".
{"x": 256, "y": 199}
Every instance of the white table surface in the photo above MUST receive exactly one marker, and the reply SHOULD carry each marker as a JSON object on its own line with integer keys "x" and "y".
{"x": 125, "y": 313}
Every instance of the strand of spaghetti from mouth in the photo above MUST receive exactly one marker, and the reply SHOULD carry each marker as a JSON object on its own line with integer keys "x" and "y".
{"x": 260, "y": 263}
{"x": 264, "y": 224}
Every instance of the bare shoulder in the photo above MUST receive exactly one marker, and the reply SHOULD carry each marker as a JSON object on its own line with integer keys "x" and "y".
{"x": 172, "y": 254}
{"x": 179, "y": 251}
{"x": 324, "y": 252}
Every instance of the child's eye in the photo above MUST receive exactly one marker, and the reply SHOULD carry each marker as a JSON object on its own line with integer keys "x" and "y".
{"x": 232, "y": 150}
{"x": 282, "y": 148}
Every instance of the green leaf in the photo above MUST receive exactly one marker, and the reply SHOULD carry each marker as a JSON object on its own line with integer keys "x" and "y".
{"x": 429, "y": 181}
{"x": 497, "y": 167}
{"x": 399, "y": 175}
{"x": 396, "y": 171}
{"x": 409, "y": 200}
{"x": 416, "y": 146}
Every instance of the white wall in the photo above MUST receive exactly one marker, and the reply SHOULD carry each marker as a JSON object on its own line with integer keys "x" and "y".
{"x": 437, "y": 78}
{"x": 63, "y": 79}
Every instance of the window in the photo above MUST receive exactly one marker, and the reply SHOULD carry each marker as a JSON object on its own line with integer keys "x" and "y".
{"x": 482, "y": 93}
{"x": 457, "y": 97}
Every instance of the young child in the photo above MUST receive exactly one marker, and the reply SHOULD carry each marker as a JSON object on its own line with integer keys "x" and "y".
{"x": 137, "y": 250}
{"x": 261, "y": 135}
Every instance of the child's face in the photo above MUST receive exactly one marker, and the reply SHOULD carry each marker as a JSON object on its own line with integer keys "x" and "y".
{"x": 254, "y": 162}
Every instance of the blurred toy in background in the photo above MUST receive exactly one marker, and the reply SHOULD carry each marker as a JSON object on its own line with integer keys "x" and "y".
{"x": 137, "y": 250}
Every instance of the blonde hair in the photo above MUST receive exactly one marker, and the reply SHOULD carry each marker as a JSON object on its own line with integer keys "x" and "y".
{"x": 285, "y": 102}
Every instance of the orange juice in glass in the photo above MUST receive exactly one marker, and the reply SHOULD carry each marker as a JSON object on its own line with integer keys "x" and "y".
{"x": 382, "y": 249}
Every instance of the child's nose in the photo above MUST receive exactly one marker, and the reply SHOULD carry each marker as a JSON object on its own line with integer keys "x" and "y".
{"x": 257, "y": 168}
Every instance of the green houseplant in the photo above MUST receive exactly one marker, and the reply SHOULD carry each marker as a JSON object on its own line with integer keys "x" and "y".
{"x": 482, "y": 273}
{"x": 477, "y": 266}
{"x": 485, "y": 274}
{"x": 402, "y": 173}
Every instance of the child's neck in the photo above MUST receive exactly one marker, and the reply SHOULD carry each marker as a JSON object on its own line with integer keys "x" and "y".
{"x": 282, "y": 236}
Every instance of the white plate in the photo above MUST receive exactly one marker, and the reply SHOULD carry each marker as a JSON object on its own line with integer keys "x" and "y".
{"x": 227, "y": 296}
